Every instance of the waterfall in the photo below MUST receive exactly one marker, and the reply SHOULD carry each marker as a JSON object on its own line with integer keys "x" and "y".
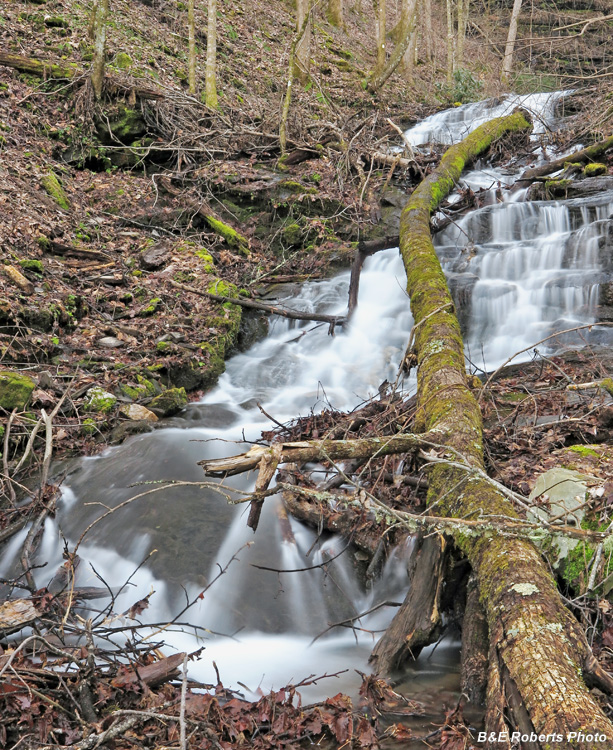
{"x": 518, "y": 271}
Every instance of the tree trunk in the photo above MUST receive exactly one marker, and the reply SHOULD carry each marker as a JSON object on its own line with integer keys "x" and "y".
{"x": 335, "y": 12}
{"x": 427, "y": 29}
{"x": 302, "y": 55}
{"x": 379, "y": 8}
{"x": 191, "y": 44}
{"x": 287, "y": 97}
{"x": 407, "y": 24}
{"x": 101, "y": 12}
{"x": 463, "y": 6}
{"x": 211, "y": 56}
{"x": 450, "y": 42}
{"x": 507, "y": 63}
{"x": 540, "y": 650}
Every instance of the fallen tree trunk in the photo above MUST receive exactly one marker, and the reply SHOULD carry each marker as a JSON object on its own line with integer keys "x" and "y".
{"x": 539, "y": 648}
{"x": 579, "y": 157}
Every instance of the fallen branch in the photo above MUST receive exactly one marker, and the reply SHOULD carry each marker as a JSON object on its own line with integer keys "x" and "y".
{"x": 313, "y": 450}
{"x": 585, "y": 155}
{"x": 333, "y": 320}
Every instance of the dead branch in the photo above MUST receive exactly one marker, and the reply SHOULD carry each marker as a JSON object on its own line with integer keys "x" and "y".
{"x": 333, "y": 320}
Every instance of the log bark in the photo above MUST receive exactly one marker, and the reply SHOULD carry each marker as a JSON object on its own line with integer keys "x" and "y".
{"x": 475, "y": 644}
{"x": 540, "y": 646}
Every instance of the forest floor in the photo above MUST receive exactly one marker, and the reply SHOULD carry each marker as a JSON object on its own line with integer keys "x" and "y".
{"x": 108, "y": 213}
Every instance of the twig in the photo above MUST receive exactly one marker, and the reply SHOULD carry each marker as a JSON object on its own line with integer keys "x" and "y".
{"x": 182, "y": 724}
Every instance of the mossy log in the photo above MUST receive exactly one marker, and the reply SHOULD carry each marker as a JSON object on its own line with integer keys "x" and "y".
{"x": 541, "y": 650}
{"x": 579, "y": 157}
{"x": 41, "y": 68}
{"x": 59, "y": 69}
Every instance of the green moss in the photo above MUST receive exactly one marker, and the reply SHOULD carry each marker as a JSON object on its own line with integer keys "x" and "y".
{"x": 53, "y": 187}
{"x": 32, "y": 265}
{"x": 292, "y": 235}
{"x": 208, "y": 264}
{"x": 297, "y": 188}
{"x": 122, "y": 61}
{"x": 163, "y": 347}
{"x": 583, "y": 450}
{"x": 100, "y": 401}
{"x": 15, "y": 390}
{"x": 592, "y": 170}
{"x": 231, "y": 236}
{"x": 607, "y": 384}
{"x": 152, "y": 307}
{"x": 89, "y": 426}
{"x": 169, "y": 402}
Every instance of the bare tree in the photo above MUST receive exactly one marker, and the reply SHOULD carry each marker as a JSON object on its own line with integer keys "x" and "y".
{"x": 191, "y": 30}
{"x": 211, "y": 55}
{"x": 335, "y": 12}
{"x": 379, "y": 8}
{"x": 302, "y": 56}
{"x": 507, "y": 64}
{"x": 407, "y": 25}
{"x": 306, "y": 21}
{"x": 98, "y": 33}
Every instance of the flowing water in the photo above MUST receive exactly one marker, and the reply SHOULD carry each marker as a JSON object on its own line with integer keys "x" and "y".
{"x": 521, "y": 270}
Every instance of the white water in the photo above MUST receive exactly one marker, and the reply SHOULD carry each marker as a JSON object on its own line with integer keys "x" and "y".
{"x": 534, "y": 267}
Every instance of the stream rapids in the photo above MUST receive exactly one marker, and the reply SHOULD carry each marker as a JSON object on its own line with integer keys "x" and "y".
{"x": 520, "y": 270}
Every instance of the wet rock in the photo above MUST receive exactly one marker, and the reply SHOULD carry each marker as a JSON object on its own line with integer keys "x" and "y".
{"x": 461, "y": 287}
{"x": 136, "y": 412}
{"x": 156, "y": 256}
{"x": 15, "y": 390}
{"x": 606, "y": 294}
{"x": 126, "y": 429}
{"x": 169, "y": 402}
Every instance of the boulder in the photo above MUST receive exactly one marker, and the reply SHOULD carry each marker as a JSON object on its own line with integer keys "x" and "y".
{"x": 169, "y": 402}
{"x": 15, "y": 390}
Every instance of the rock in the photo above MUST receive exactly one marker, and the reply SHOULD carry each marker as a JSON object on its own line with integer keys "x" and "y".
{"x": 110, "y": 342}
{"x": 566, "y": 491}
{"x": 137, "y": 412}
{"x": 15, "y": 390}
{"x": 156, "y": 256}
{"x": 125, "y": 429}
{"x": 100, "y": 401}
{"x": 169, "y": 402}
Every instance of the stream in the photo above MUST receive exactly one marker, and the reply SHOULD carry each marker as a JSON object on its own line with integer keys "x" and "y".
{"x": 522, "y": 271}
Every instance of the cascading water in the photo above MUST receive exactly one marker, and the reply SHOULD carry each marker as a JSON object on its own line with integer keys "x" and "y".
{"x": 520, "y": 269}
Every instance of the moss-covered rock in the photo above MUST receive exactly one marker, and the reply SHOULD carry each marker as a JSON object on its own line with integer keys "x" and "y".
{"x": 53, "y": 187}
{"x": 32, "y": 265}
{"x": 122, "y": 61}
{"x": 595, "y": 169}
{"x": 169, "y": 402}
{"x": 15, "y": 390}
{"x": 100, "y": 401}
